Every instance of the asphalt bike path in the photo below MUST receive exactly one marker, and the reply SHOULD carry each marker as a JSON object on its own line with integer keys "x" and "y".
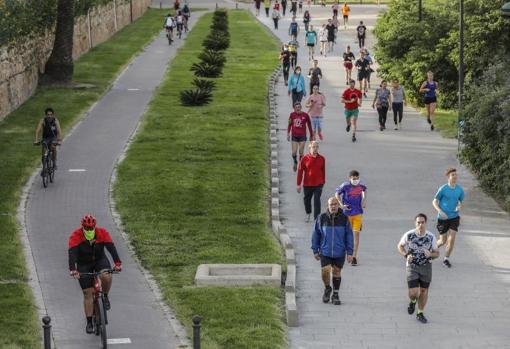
{"x": 85, "y": 164}
{"x": 402, "y": 169}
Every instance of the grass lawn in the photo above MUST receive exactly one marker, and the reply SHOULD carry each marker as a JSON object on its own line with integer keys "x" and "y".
{"x": 194, "y": 189}
{"x": 19, "y": 326}
{"x": 446, "y": 122}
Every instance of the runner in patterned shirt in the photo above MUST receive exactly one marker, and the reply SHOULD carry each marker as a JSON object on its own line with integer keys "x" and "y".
{"x": 323, "y": 37}
{"x": 418, "y": 246}
{"x": 352, "y": 197}
{"x": 296, "y": 132}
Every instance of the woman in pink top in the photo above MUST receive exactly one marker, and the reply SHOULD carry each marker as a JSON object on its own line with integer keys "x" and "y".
{"x": 316, "y": 102}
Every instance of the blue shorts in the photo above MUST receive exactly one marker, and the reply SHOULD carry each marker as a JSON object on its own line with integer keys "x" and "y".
{"x": 316, "y": 123}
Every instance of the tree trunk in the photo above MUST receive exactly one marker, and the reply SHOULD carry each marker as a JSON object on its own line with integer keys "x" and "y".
{"x": 59, "y": 67}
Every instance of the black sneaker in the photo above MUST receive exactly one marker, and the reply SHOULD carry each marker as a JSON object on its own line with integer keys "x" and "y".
{"x": 89, "y": 328}
{"x": 348, "y": 128}
{"x": 335, "y": 299}
{"x": 365, "y": 95}
{"x": 421, "y": 318}
{"x": 429, "y": 121}
{"x": 327, "y": 294}
{"x": 411, "y": 307}
{"x": 381, "y": 128}
{"x": 106, "y": 303}
{"x": 294, "y": 167}
{"x": 447, "y": 263}
{"x": 432, "y": 127}
{"x": 354, "y": 261}
{"x": 354, "y": 138}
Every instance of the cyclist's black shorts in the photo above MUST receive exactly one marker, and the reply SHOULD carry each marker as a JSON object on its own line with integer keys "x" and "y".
{"x": 88, "y": 281}
{"x": 170, "y": 28}
{"x": 180, "y": 26}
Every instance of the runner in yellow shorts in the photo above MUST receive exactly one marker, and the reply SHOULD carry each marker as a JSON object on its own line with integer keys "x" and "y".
{"x": 352, "y": 198}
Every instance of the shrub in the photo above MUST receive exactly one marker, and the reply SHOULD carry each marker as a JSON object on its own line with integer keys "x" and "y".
{"x": 206, "y": 85}
{"x": 205, "y": 70}
{"x": 195, "y": 97}
{"x": 216, "y": 42}
{"x": 212, "y": 57}
{"x": 487, "y": 130}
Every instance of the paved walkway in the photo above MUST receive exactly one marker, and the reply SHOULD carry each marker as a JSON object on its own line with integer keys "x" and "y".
{"x": 53, "y": 213}
{"x": 468, "y": 305}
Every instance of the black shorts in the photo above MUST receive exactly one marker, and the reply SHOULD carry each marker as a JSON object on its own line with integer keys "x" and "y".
{"x": 310, "y": 45}
{"x": 88, "y": 281}
{"x": 299, "y": 139}
{"x": 429, "y": 100}
{"x": 337, "y": 262}
{"x": 362, "y": 75}
{"x": 444, "y": 225}
{"x": 170, "y": 29}
{"x": 331, "y": 38}
{"x": 346, "y": 17}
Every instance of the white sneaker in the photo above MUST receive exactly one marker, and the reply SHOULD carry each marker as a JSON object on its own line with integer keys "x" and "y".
{"x": 307, "y": 218}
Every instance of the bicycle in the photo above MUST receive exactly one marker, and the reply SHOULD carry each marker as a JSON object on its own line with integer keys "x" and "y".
{"x": 48, "y": 170}
{"x": 99, "y": 316}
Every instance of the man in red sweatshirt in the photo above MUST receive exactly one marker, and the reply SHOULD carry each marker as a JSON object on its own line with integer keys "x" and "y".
{"x": 311, "y": 175}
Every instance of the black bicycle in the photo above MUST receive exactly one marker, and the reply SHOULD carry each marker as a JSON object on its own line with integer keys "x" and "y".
{"x": 169, "y": 35}
{"x": 48, "y": 166}
{"x": 100, "y": 315}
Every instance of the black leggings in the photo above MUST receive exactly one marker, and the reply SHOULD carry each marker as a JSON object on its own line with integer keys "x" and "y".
{"x": 293, "y": 59}
{"x": 383, "y": 113}
{"x": 398, "y": 112}
{"x": 316, "y": 192}
{"x": 361, "y": 40}
{"x": 284, "y": 7}
{"x": 275, "y": 20}
{"x": 286, "y": 68}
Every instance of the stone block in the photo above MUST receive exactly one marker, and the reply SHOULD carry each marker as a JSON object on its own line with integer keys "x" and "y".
{"x": 285, "y": 239}
{"x": 290, "y": 256}
{"x": 290, "y": 282}
{"x": 274, "y": 164}
{"x": 291, "y": 309}
{"x": 238, "y": 275}
{"x": 275, "y": 203}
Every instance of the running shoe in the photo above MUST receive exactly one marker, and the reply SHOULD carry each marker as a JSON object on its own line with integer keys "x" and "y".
{"x": 335, "y": 299}
{"x": 354, "y": 138}
{"x": 354, "y": 261}
{"x": 381, "y": 128}
{"x": 307, "y": 218}
{"x": 320, "y": 136}
{"x": 432, "y": 127}
{"x": 447, "y": 263}
{"x": 348, "y": 128}
{"x": 411, "y": 307}
{"x": 327, "y": 294}
{"x": 365, "y": 95}
{"x": 396, "y": 127}
{"x": 428, "y": 120}
{"x": 89, "y": 328}
{"x": 294, "y": 167}
{"x": 421, "y": 318}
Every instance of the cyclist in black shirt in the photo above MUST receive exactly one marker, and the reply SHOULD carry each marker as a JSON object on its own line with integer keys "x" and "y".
{"x": 51, "y": 133}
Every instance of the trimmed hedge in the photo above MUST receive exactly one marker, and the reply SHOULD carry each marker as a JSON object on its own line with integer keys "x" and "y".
{"x": 487, "y": 131}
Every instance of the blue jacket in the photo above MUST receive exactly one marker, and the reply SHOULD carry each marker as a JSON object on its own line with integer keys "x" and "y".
{"x": 297, "y": 83}
{"x": 332, "y": 235}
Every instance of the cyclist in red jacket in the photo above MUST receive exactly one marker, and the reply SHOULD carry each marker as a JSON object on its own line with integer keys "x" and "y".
{"x": 87, "y": 255}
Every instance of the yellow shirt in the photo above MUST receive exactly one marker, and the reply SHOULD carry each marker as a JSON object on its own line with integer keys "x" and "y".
{"x": 345, "y": 10}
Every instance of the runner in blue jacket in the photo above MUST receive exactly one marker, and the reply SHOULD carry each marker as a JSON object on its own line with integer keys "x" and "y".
{"x": 332, "y": 240}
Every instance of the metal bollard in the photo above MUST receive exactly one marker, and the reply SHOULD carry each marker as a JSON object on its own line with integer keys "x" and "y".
{"x": 196, "y": 331}
{"x": 160, "y": 5}
{"x": 237, "y": 5}
{"x": 216, "y": 6}
{"x": 47, "y": 331}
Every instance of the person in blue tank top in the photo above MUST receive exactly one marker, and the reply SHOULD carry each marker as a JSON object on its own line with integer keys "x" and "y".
{"x": 430, "y": 90}
{"x": 448, "y": 202}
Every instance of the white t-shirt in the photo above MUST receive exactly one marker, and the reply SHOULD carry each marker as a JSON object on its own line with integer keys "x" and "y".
{"x": 179, "y": 19}
{"x": 416, "y": 244}
{"x": 169, "y": 22}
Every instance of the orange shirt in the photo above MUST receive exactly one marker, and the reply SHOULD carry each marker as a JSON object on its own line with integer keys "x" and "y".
{"x": 345, "y": 10}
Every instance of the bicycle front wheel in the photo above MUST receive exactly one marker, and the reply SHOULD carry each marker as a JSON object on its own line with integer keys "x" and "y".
{"x": 104, "y": 337}
{"x": 51, "y": 170}
{"x": 44, "y": 173}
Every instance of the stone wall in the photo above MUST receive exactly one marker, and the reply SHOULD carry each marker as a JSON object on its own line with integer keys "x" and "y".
{"x": 23, "y": 62}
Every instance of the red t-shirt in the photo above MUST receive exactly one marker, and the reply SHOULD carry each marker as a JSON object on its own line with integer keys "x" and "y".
{"x": 349, "y": 94}
{"x": 313, "y": 169}
{"x": 298, "y": 123}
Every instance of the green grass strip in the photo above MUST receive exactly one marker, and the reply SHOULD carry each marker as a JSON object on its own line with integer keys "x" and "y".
{"x": 19, "y": 326}
{"x": 194, "y": 189}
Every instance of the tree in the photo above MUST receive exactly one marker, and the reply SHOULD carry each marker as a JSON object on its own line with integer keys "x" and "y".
{"x": 60, "y": 67}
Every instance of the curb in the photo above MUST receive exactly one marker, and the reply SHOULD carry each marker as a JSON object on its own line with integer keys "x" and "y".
{"x": 279, "y": 230}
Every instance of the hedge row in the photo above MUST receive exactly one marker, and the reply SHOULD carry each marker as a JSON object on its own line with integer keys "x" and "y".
{"x": 406, "y": 48}
{"x": 212, "y": 60}
{"x": 19, "y": 18}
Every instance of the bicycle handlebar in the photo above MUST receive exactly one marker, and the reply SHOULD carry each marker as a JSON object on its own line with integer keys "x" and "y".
{"x": 94, "y": 274}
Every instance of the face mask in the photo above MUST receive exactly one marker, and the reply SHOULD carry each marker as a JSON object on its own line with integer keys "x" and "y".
{"x": 89, "y": 234}
{"x": 354, "y": 181}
